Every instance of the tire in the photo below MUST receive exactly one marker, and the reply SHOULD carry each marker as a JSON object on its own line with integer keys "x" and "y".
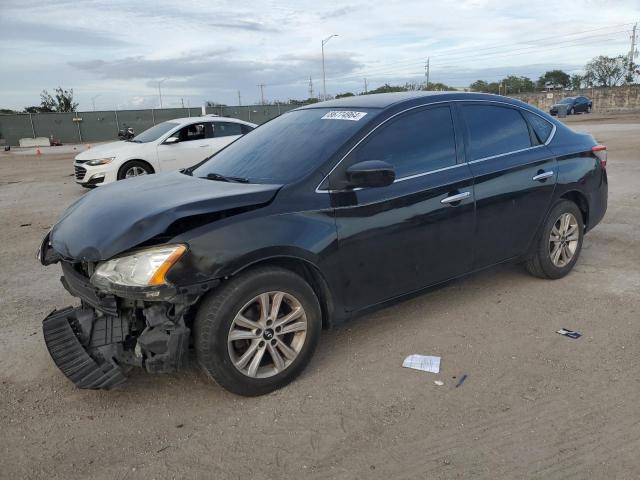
{"x": 126, "y": 170}
{"x": 541, "y": 262}
{"x": 572, "y": 111}
{"x": 589, "y": 109}
{"x": 216, "y": 319}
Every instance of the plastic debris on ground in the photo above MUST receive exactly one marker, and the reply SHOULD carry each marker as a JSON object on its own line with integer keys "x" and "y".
{"x": 462, "y": 379}
{"x": 438, "y": 382}
{"x": 569, "y": 333}
{"x": 425, "y": 363}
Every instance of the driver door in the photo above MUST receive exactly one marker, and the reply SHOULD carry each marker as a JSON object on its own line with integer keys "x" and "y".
{"x": 185, "y": 147}
{"x": 400, "y": 238}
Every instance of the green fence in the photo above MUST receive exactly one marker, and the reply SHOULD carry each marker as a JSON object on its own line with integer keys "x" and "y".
{"x": 104, "y": 125}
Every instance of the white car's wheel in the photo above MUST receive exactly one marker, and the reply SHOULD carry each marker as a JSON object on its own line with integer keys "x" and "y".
{"x": 134, "y": 168}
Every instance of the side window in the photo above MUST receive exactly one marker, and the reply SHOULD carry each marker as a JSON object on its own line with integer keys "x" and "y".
{"x": 495, "y": 130}
{"x": 191, "y": 132}
{"x": 245, "y": 129}
{"x": 541, "y": 127}
{"x": 416, "y": 142}
{"x": 226, "y": 129}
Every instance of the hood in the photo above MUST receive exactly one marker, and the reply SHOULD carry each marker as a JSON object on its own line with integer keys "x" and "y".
{"x": 119, "y": 216}
{"x": 110, "y": 149}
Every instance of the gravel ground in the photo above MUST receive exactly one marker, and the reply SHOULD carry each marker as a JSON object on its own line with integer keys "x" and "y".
{"x": 535, "y": 404}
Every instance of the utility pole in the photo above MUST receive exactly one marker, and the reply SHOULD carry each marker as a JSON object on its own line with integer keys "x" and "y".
{"x": 93, "y": 101}
{"x": 324, "y": 76}
{"x": 365, "y": 86}
{"x": 310, "y": 88}
{"x": 239, "y": 99}
{"x": 182, "y": 101}
{"x": 261, "y": 93}
{"x": 427, "y": 71}
{"x": 160, "y": 91}
{"x": 632, "y": 52}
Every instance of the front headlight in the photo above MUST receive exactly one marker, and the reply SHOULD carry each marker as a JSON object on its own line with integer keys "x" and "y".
{"x": 100, "y": 161}
{"x": 144, "y": 268}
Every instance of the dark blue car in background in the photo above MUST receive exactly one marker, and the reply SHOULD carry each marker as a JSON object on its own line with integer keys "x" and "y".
{"x": 573, "y": 105}
{"x": 326, "y": 212}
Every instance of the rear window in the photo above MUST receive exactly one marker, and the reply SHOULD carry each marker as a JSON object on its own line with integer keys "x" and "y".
{"x": 541, "y": 127}
{"x": 495, "y": 130}
{"x": 226, "y": 129}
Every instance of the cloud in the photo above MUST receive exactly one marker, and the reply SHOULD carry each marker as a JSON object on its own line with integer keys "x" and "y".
{"x": 244, "y": 25}
{"x": 19, "y": 31}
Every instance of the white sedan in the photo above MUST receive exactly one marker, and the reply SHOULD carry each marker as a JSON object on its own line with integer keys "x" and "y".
{"x": 172, "y": 145}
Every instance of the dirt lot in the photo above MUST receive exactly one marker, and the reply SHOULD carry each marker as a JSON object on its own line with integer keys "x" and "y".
{"x": 535, "y": 404}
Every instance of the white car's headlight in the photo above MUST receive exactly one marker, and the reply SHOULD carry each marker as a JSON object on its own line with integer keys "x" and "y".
{"x": 144, "y": 268}
{"x": 100, "y": 161}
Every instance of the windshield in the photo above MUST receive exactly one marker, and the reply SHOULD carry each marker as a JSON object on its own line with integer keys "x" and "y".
{"x": 567, "y": 100}
{"x": 154, "y": 133}
{"x": 288, "y": 147}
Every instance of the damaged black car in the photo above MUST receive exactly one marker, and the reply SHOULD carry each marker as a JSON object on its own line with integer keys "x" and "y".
{"x": 326, "y": 212}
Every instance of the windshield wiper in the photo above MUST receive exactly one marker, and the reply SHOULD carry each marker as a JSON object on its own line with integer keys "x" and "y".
{"x": 223, "y": 178}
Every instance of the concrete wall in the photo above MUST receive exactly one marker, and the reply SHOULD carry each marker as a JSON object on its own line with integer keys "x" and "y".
{"x": 104, "y": 125}
{"x": 605, "y": 100}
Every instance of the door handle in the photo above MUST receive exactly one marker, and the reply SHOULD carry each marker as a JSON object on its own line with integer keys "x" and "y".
{"x": 455, "y": 198}
{"x": 543, "y": 176}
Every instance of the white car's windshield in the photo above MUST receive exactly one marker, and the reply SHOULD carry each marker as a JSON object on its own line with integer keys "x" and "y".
{"x": 154, "y": 132}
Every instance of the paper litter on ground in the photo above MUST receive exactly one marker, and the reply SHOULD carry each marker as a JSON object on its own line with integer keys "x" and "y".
{"x": 426, "y": 363}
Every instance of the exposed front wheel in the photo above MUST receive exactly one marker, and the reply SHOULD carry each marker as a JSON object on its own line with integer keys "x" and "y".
{"x": 258, "y": 331}
{"x": 557, "y": 248}
{"x": 572, "y": 111}
{"x": 134, "y": 168}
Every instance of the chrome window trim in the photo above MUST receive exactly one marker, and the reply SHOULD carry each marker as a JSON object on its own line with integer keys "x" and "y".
{"x": 410, "y": 177}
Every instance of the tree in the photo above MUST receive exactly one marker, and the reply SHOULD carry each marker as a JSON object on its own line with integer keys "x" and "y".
{"x": 61, "y": 102}
{"x": 606, "y": 71}
{"x": 344, "y": 95}
{"x": 555, "y": 78}
{"x": 386, "y": 88}
{"x": 7, "y": 110}
{"x": 513, "y": 84}
{"x": 438, "y": 87}
{"x": 576, "y": 81}
{"x": 479, "y": 86}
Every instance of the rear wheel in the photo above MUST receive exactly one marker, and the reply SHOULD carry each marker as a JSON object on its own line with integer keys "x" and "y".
{"x": 258, "y": 331}
{"x": 134, "y": 168}
{"x": 558, "y": 246}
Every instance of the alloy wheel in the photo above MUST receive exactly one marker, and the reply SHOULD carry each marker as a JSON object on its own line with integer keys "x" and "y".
{"x": 267, "y": 334}
{"x": 563, "y": 241}
{"x": 135, "y": 171}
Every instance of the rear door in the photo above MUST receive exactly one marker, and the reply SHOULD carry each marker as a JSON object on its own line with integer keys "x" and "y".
{"x": 515, "y": 175}
{"x": 403, "y": 237}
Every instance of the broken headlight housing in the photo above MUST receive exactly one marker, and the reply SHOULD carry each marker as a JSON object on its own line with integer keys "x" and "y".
{"x": 142, "y": 268}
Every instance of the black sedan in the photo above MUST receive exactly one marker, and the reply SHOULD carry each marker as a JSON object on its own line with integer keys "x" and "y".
{"x": 573, "y": 105}
{"x": 324, "y": 213}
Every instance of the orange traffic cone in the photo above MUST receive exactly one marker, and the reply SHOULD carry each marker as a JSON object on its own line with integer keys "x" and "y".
{"x": 37, "y": 151}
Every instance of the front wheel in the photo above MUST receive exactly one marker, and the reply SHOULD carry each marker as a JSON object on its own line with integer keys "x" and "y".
{"x": 572, "y": 111}
{"x": 558, "y": 246}
{"x": 134, "y": 168}
{"x": 257, "y": 332}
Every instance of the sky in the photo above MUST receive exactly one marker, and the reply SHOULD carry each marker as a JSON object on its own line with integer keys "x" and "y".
{"x": 115, "y": 53}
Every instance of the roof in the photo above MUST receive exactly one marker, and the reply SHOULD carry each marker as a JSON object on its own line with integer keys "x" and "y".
{"x": 385, "y": 100}
{"x": 186, "y": 120}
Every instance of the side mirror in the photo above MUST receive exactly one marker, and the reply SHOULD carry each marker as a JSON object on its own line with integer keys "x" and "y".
{"x": 370, "y": 173}
{"x": 171, "y": 140}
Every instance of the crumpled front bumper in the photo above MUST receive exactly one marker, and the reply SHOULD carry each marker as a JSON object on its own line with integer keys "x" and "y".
{"x": 62, "y": 334}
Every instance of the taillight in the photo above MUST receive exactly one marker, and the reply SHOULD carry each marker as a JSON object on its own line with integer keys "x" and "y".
{"x": 600, "y": 151}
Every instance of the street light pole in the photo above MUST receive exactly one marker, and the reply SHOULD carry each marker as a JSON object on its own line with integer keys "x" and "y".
{"x": 324, "y": 77}
{"x": 160, "y": 91}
